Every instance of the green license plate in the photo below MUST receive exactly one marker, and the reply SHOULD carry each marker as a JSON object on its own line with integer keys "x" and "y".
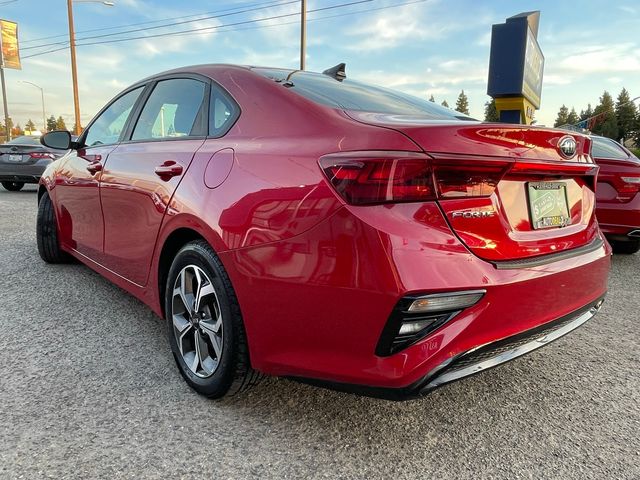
{"x": 548, "y": 204}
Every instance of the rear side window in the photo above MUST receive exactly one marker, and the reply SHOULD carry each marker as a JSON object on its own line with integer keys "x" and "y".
{"x": 606, "y": 148}
{"x": 223, "y": 112}
{"x": 172, "y": 110}
{"x": 352, "y": 95}
{"x": 106, "y": 129}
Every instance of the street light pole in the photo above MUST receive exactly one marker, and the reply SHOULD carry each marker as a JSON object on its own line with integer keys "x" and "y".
{"x": 74, "y": 68}
{"x": 44, "y": 116}
{"x": 303, "y": 33}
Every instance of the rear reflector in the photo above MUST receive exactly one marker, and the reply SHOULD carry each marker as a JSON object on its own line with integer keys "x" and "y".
{"x": 442, "y": 302}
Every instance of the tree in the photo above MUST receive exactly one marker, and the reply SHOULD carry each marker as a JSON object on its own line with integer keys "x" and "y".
{"x": 563, "y": 116}
{"x": 30, "y": 126}
{"x": 462, "y": 104}
{"x": 636, "y": 138}
{"x": 588, "y": 113}
{"x": 491, "y": 112}
{"x": 626, "y": 113}
{"x": 573, "y": 118}
{"x": 606, "y": 124}
{"x": 51, "y": 123}
{"x": 16, "y": 131}
{"x": 445, "y": 104}
{"x": 431, "y": 99}
{"x": 60, "y": 125}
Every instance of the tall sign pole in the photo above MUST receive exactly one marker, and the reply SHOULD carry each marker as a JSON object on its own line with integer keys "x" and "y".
{"x": 303, "y": 33}
{"x": 9, "y": 58}
{"x": 516, "y": 65}
{"x": 4, "y": 104}
{"x": 74, "y": 69}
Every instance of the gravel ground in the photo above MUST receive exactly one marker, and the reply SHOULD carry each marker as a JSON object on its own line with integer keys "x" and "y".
{"x": 88, "y": 388}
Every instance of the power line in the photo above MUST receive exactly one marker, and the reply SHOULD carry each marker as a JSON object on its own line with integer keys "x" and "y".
{"x": 199, "y": 30}
{"x": 115, "y": 27}
{"x": 104, "y": 35}
{"x": 8, "y": 2}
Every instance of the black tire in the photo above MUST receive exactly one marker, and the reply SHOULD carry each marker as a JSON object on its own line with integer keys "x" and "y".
{"x": 13, "y": 186}
{"x": 233, "y": 372}
{"x": 625, "y": 247}
{"x": 47, "y": 233}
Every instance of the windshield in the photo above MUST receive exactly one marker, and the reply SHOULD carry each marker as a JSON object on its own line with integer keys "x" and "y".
{"x": 353, "y": 95}
{"x": 25, "y": 140}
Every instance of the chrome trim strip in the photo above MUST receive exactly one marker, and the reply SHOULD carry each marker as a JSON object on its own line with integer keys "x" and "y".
{"x": 518, "y": 351}
{"x": 634, "y": 234}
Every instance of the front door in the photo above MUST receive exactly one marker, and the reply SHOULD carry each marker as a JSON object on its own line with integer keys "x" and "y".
{"x": 141, "y": 175}
{"x": 76, "y": 188}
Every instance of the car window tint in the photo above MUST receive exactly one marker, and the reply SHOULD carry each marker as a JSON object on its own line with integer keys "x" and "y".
{"x": 106, "y": 129}
{"x": 171, "y": 109}
{"x": 352, "y": 95}
{"x": 222, "y": 112}
{"x": 605, "y": 148}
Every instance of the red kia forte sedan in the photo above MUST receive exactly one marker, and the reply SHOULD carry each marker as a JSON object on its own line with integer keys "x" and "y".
{"x": 618, "y": 194}
{"x": 310, "y": 226}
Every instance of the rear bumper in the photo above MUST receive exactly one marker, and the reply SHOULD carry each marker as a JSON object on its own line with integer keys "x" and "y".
{"x": 23, "y": 173}
{"x": 617, "y": 220}
{"x": 315, "y": 305}
{"x": 477, "y": 359}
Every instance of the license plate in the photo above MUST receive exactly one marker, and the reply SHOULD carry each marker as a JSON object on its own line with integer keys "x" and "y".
{"x": 15, "y": 158}
{"x": 548, "y": 204}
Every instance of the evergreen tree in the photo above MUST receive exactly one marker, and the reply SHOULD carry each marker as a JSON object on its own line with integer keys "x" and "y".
{"x": 51, "y": 123}
{"x": 584, "y": 114}
{"x": 60, "y": 125}
{"x": 462, "y": 104}
{"x": 573, "y": 118}
{"x": 30, "y": 126}
{"x": 626, "y": 113}
{"x": 445, "y": 104}
{"x": 636, "y": 138}
{"x": 491, "y": 112}
{"x": 431, "y": 99}
{"x": 606, "y": 124}
{"x": 563, "y": 116}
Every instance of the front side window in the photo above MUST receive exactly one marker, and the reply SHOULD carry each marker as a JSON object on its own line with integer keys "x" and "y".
{"x": 606, "y": 148}
{"x": 171, "y": 110}
{"x": 106, "y": 129}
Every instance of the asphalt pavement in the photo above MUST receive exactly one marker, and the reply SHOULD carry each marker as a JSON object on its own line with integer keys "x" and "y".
{"x": 89, "y": 389}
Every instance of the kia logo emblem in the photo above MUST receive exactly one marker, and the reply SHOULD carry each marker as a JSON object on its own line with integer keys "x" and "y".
{"x": 567, "y": 146}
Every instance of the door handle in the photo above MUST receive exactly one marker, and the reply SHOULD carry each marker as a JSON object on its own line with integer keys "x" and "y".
{"x": 168, "y": 170}
{"x": 94, "y": 167}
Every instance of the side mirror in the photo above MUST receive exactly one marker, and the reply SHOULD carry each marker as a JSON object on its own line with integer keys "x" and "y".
{"x": 58, "y": 139}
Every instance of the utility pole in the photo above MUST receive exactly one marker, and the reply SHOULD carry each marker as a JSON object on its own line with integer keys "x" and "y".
{"x": 303, "y": 32}
{"x": 4, "y": 102}
{"x": 74, "y": 68}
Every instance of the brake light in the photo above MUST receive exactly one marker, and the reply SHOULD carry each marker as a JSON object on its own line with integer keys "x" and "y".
{"x": 627, "y": 187}
{"x": 380, "y": 177}
{"x": 40, "y": 155}
{"x": 468, "y": 181}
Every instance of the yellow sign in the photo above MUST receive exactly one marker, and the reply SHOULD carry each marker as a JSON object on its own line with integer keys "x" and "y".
{"x": 9, "y": 51}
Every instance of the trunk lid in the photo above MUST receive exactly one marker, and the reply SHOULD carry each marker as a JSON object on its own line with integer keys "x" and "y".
{"x": 507, "y": 191}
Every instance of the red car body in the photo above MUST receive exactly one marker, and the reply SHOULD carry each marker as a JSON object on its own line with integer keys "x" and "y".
{"x": 618, "y": 192}
{"x": 320, "y": 279}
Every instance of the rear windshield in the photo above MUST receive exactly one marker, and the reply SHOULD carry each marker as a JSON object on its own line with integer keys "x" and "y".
{"x": 25, "y": 140}
{"x": 352, "y": 95}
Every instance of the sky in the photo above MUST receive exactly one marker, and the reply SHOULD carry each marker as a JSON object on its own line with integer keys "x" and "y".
{"x": 429, "y": 47}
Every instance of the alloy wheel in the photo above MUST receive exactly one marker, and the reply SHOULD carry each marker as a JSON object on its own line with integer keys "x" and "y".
{"x": 197, "y": 321}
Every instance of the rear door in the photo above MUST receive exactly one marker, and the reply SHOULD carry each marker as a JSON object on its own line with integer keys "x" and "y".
{"x": 141, "y": 174}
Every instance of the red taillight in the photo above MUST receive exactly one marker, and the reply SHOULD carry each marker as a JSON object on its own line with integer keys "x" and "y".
{"x": 467, "y": 181}
{"x": 380, "y": 177}
{"x": 40, "y": 155}
{"x": 627, "y": 187}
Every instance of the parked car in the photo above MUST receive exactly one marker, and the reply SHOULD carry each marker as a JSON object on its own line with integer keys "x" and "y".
{"x": 22, "y": 160}
{"x": 618, "y": 194}
{"x": 310, "y": 226}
